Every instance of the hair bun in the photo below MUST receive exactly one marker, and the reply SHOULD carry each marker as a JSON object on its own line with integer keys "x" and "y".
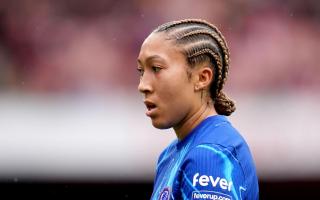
{"x": 224, "y": 105}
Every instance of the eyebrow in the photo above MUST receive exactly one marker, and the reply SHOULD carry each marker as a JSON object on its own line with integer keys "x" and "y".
{"x": 150, "y": 58}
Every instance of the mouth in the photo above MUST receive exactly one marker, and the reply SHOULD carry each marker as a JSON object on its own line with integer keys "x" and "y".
{"x": 151, "y": 107}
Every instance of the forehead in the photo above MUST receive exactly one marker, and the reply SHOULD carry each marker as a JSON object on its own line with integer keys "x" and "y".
{"x": 158, "y": 44}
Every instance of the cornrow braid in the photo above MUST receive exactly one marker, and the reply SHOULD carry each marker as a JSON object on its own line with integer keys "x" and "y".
{"x": 206, "y": 50}
{"x": 218, "y": 74}
{"x": 201, "y": 42}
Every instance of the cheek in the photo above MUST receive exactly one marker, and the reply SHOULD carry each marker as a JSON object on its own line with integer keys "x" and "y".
{"x": 176, "y": 98}
{"x": 175, "y": 85}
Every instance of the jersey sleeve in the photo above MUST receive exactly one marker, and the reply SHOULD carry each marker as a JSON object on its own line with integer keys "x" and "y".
{"x": 211, "y": 172}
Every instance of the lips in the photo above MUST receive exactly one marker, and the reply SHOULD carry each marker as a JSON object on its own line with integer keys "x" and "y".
{"x": 151, "y": 108}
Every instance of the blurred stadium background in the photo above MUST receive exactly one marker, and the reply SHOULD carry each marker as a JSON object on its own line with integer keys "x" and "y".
{"x": 72, "y": 121}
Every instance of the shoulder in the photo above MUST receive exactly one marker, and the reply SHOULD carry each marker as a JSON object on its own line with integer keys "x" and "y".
{"x": 221, "y": 141}
{"x": 218, "y": 130}
{"x": 219, "y": 161}
{"x": 212, "y": 169}
{"x": 213, "y": 158}
{"x": 209, "y": 150}
{"x": 224, "y": 138}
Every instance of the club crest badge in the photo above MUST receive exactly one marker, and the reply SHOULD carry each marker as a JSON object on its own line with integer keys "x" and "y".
{"x": 165, "y": 194}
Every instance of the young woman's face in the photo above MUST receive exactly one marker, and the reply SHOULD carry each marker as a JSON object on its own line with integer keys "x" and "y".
{"x": 169, "y": 94}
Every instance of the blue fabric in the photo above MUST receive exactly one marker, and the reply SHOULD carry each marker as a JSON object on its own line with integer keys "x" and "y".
{"x": 212, "y": 162}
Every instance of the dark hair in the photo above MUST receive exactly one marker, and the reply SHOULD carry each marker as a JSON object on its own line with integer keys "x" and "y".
{"x": 202, "y": 42}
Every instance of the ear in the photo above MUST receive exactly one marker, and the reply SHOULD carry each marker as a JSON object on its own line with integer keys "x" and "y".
{"x": 204, "y": 76}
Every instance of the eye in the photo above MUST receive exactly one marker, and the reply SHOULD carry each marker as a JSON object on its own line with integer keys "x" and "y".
{"x": 156, "y": 68}
{"x": 141, "y": 71}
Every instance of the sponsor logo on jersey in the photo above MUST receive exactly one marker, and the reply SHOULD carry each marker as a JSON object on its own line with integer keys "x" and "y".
{"x": 165, "y": 194}
{"x": 210, "y": 195}
{"x": 205, "y": 180}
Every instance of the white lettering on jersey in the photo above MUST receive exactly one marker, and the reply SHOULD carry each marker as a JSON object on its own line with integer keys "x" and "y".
{"x": 209, "y": 195}
{"x": 204, "y": 180}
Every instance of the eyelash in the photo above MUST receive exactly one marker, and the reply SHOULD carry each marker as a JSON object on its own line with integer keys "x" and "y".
{"x": 155, "y": 69}
{"x": 141, "y": 71}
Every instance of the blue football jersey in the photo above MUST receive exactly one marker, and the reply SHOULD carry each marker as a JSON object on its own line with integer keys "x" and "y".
{"x": 212, "y": 162}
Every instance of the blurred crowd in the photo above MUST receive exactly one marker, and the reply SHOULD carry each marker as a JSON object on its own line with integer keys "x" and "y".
{"x": 63, "y": 46}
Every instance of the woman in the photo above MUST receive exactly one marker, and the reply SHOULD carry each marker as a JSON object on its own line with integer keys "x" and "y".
{"x": 183, "y": 67}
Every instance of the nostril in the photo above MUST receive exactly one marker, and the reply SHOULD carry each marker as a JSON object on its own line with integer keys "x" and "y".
{"x": 141, "y": 87}
{"x": 144, "y": 88}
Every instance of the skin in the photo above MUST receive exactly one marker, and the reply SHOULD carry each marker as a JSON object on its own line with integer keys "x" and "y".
{"x": 182, "y": 102}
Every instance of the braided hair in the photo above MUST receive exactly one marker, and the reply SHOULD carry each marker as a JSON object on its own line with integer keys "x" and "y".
{"x": 202, "y": 42}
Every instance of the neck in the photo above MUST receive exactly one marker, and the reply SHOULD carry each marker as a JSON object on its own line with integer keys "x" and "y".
{"x": 193, "y": 119}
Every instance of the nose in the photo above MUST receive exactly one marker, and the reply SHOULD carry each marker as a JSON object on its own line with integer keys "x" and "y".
{"x": 145, "y": 85}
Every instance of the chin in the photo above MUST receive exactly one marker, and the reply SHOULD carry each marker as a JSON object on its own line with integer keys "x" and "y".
{"x": 160, "y": 125}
